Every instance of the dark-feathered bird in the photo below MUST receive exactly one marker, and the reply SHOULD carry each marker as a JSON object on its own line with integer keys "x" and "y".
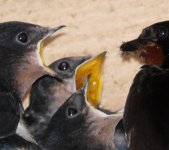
{"x": 20, "y": 66}
{"x": 49, "y": 93}
{"x": 78, "y": 125}
{"x": 146, "y": 112}
{"x": 152, "y": 44}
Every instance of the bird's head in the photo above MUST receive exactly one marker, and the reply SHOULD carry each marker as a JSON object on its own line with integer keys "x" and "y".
{"x": 152, "y": 44}
{"x": 84, "y": 127}
{"x": 21, "y": 57}
{"x": 66, "y": 67}
{"x": 79, "y": 68}
{"x": 48, "y": 93}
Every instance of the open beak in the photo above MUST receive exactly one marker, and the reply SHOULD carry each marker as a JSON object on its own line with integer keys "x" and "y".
{"x": 46, "y": 34}
{"x": 92, "y": 68}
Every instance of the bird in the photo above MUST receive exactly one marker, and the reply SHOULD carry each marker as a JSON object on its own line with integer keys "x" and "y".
{"x": 152, "y": 44}
{"x": 20, "y": 66}
{"x": 146, "y": 111}
{"x": 79, "y": 125}
{"x": 49, "y": 93}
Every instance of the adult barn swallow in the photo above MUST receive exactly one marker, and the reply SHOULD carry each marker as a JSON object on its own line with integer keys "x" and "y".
{"x": 152, "y": 44}
{"x": 20, "y": 66}
{"x": 78, "y": 125}
{"x": 146, "y": 111}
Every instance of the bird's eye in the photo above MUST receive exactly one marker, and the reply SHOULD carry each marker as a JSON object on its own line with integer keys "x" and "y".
{"x": 72, "y": 112}
{"x": 161, "y": 33}
{"x": 63, "y": 66}
{"x": 22, "y": 37}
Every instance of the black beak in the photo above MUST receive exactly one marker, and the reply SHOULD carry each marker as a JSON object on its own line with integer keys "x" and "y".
{"x": 134, "y": 45}
{"x": 49, "y": 32}
{"x": 130, "y": 46}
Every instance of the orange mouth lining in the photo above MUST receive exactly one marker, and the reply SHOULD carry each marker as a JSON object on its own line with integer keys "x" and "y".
{"x": 152, "y": 54}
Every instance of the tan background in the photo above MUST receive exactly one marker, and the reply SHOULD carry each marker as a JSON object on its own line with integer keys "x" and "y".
{"x": 93, "y": 26}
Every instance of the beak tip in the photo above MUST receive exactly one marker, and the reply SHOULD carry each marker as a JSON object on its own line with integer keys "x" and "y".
{"x": 52, "y": 31}
{"x": 62, "y": 26}
{"x": 102, "y": 55}
{"x": 59, "y": 27}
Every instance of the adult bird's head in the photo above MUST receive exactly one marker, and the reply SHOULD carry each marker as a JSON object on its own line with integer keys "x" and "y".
{"x": 21, "y": 61}
{"x": 152, "y": 44}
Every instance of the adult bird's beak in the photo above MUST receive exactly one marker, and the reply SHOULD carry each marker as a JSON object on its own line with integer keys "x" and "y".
{"x": 149, "y": 50}
{"x": 92, "y": 68}
{"x": 46, "y": 34}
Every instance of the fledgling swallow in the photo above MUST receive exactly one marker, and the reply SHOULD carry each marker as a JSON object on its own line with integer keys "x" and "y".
{"x": 20, "y": 66}
{"x": 78, "y": 125}
{"x": 49, "y": 93}
{"x": 152, "y": 44}
{"x": 41, "y": 109}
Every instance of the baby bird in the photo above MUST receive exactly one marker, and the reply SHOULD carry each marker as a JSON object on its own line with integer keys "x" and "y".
{"x": 21, "y": 61}
{"x": 78, "y": 125}
{"x": 20, "y": 66}
{"x": 49, "y": 93}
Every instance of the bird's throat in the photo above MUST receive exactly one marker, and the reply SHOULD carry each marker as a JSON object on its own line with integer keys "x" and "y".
{"x": 28, "y": 72}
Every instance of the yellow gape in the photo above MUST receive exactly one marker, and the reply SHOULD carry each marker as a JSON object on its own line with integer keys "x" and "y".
{"x": 41, "y": 53}
{"x": 93, "y": 69}
{"x": 43, "y": 60}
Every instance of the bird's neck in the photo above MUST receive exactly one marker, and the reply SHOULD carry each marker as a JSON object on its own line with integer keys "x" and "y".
{"x": 19, "y": 74}
{"x": 28, "y": 76}
{"x": 31, "y": 69}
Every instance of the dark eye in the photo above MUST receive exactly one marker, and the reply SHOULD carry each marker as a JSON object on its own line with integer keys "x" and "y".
{"x": 22, "y": 37}
{"x": 72, "y": 112}
{"x": 63, "y": 66}
{"x": 161, "y": 33}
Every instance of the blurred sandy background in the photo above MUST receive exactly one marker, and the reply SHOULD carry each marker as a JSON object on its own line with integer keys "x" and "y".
{"x": 93, "y": 26}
